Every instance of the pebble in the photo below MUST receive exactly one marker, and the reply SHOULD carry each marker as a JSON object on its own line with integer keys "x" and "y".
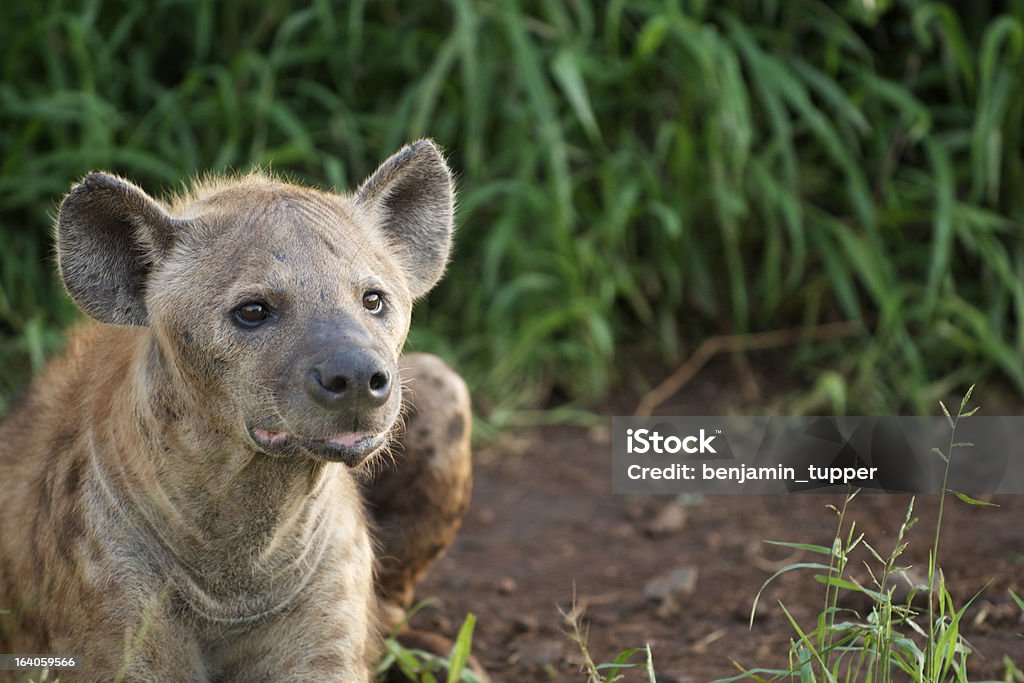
{"x": 525, "y": 623}
{"x": 486, "y": 516}
{"x": 671, "y": 589}
{"x": 671, "y": 519}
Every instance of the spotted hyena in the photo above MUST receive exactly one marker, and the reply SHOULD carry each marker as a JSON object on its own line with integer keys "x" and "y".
{"x": 186, "y": 494}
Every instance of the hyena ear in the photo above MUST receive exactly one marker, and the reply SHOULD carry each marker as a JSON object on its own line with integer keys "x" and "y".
{"x": 413, "y": 195}
{"x": 109, "y": 235}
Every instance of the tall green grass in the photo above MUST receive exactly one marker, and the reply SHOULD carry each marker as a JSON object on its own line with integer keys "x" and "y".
{"x": 634, "y": 175}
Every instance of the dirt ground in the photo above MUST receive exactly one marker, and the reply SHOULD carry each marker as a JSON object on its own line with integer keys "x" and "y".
{"x": 545, "y": 523}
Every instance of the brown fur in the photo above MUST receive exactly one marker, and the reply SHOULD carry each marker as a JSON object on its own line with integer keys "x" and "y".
{"x": 145, "y": 523}
{"x": 433, "y": 473}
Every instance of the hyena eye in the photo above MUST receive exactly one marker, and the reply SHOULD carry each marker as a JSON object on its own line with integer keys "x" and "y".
{"x": 373, "y": 302}
{"x": 252, "y": 314}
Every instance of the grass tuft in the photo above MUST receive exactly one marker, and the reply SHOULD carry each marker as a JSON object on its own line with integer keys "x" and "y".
{"x": 895, "y": 640}
{"x": 609, "y": 672}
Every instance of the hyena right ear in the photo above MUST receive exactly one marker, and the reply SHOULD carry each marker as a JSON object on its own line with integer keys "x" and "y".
{"x": 110, "y": 233}
{"x": 413, "y": 195}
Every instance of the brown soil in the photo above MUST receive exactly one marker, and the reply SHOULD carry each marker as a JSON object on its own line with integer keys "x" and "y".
{"x": 545, "y": 523}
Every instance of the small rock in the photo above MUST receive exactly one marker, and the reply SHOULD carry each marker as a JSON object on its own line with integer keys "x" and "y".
{"x": 670, "y": 520}
{"x": 525, "y": 623}
{"x": 486, "y": 516}
{"x": 507, "y": 585}
{"x": 677, "y": 583}
{"x": 621, "y": 530}
{"x": 600, "y": 435}
{"x": 671, "y": 589}
{"x": 635, "y": 512}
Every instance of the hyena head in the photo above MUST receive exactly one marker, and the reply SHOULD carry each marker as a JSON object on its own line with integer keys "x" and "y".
{"x": 281, "y": 310}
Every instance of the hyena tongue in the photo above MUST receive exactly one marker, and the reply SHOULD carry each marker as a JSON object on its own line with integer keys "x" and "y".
{"x": 348, "y": 440}
{"x": 270, "y": 436}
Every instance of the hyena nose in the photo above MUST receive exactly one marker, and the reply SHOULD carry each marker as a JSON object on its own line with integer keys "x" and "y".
{"x": 349, "y": 379}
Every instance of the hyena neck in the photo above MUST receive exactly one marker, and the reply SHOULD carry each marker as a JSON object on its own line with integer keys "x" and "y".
{"x": 241, "y": 533}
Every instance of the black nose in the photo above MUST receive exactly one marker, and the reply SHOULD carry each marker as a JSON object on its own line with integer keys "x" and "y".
{"x": 349, "y": 379}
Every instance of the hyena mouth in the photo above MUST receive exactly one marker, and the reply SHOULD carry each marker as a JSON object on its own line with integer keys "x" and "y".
{"x": 350, "y": 448}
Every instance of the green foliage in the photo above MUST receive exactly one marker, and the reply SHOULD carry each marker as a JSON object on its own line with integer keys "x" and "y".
{"x": 633, "y": 175}
{"x": 421, "y": 666}
{"x": 609, "y": 672}
{"x": 896, "y": 640}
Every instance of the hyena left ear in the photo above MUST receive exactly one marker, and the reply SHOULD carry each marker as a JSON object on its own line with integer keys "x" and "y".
{"x": 413, "y": 196}
{"x": 110, "y": 233}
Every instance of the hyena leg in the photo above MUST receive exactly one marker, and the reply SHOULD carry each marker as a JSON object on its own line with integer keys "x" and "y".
{"x": 416, "y": 503}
